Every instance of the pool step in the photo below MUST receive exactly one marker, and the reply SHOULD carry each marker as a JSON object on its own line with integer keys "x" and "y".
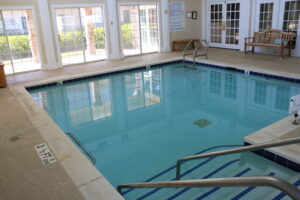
{"x": 199, "y": 168}
{"x": 231, "y": 166}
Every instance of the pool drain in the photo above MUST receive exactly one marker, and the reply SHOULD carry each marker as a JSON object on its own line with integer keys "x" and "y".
{"x": 202, "y": 123}
{"x": 14, "y": 139}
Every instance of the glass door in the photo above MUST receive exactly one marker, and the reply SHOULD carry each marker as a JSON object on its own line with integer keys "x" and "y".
{"x": 139, "y": 29}
{"x": 216, "y": 25}
{"x": 290, "y": 23}
{"x": 80, "y": 34}
{"x": 19, "y": 49}
{"x": 232, "y": 27}
{"x": 266, "y": 15}
{"x": 130, "y": 30}
{"x": 224, "y": 24}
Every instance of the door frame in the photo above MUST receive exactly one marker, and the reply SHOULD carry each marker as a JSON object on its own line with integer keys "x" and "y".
{"x": 36, "y": 28}
{"x": 275, "y": 17}
{"x": 158, "y": 25}
{"x": 242, "y": 20}
{"x": 105, "y": 26}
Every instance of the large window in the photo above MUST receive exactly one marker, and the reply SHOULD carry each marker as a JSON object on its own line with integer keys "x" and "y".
{"x": 291, "y": 17}
{"x": 80, "y": 34}
{"x": 18, "y": 41}
{"x": 139, "y": 29}
{"x": 265, "y": 16}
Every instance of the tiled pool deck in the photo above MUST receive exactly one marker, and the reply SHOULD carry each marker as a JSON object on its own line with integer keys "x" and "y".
{"x": 23, "y": 176}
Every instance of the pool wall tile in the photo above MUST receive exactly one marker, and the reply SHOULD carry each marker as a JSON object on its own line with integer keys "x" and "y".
{"x": 229, "y": 68}
{"x": 276, "y": 158}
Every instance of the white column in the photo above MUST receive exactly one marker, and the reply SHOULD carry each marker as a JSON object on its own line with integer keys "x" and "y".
{"x": 115, "y": 47}
{"x": 50, "y": 61}
{"x": 245, "y": 22}
{"x": 204, "y": 20}
{"x": 165, "y": 43}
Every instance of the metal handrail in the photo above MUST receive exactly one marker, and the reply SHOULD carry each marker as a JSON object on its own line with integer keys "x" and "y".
{"x": 186, "y": 48}
{"x": 195, "y": 53}
{"x": 265, "y": 145}
{"x": 93, "y": 159}
{"x": 263, "y": 181}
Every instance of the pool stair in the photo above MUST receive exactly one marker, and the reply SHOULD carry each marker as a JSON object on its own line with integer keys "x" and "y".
{"x": 243, "y": 193}
{"x": 211, "y": 167}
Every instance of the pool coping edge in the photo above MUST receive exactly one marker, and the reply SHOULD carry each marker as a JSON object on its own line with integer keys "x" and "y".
{"x": 57, "y": 142}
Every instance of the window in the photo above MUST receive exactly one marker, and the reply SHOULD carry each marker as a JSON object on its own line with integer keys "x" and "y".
{"x": 19, "y": 49}
{"x": 139, "y": 29}
{"x": 216, "y": 16}
{"x": 265, "y": 16}
{"x": 81, "y": 34}
{"x": 291, "y": 17}
{"x": 232, "y": 23}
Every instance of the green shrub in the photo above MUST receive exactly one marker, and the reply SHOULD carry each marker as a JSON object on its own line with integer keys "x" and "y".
{"x": 18, "y": 44}
{"x": 127, "y": 35}
{"x": 69, "y": 41}
{"x": 99, "y": 37}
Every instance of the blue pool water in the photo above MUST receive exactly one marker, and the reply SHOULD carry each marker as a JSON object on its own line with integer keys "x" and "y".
{"x": 138, "y": 123}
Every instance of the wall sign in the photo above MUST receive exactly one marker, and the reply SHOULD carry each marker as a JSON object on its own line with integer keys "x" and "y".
{"x": 177, "y": 16}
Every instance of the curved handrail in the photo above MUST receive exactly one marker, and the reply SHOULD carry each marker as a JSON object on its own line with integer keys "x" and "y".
{"x": 195, "y": 54}
{"x": 265, "y": 145}
{"x": 263, "y": 181}
{"x": 93, "y": 159}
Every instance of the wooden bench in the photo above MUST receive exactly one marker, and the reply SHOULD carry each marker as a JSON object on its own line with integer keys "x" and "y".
{"x": 179, "y": 45}
{"x": 275, "y": 39}
{"x": 3, "y": 82}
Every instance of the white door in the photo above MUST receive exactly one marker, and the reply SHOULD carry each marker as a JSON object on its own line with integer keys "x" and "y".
{"x": 283, "y": 15}
{"x": 224, "y": 23}
{"x": 266, "y": 16}
{"x": 289, "y": 20}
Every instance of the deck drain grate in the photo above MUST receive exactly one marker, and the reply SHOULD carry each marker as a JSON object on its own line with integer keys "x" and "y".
{"x": 202, "y": 123}
{"x": 14, "y": 139}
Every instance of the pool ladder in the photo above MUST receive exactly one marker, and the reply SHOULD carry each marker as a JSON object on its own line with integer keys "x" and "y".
{"x": 92, "y": 158}
{"x": 192, "y": 48}
{"x": 261, "y": 181}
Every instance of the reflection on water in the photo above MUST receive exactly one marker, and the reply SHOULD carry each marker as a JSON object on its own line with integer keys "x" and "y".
{"x": 93, "y": 100}
{"x": 143, "y": 89}
{"x": 138, "y": 119}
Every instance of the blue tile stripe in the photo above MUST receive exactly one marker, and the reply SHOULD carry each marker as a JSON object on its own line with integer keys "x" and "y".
{"x": 281, "y": 195}
{"x": 205, "y": 177}
{"x": 185, "y": 173}
{"x": 247, "y": 190}
{"x": 174, "y": 166}
{"x": 276, "y": 158}
{"x": 215, "y": 189}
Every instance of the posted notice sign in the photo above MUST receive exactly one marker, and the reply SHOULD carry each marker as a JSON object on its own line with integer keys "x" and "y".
{"x": 177, "y": 16}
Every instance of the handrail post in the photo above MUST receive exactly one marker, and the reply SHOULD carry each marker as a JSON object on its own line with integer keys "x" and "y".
{"x": 178, "y": 169}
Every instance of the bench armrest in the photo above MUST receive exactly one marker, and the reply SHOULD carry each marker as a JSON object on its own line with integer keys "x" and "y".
{"x": 248, "y": 38}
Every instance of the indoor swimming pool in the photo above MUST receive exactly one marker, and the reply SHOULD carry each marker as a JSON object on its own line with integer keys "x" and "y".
{"x": 137, "y": 124}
